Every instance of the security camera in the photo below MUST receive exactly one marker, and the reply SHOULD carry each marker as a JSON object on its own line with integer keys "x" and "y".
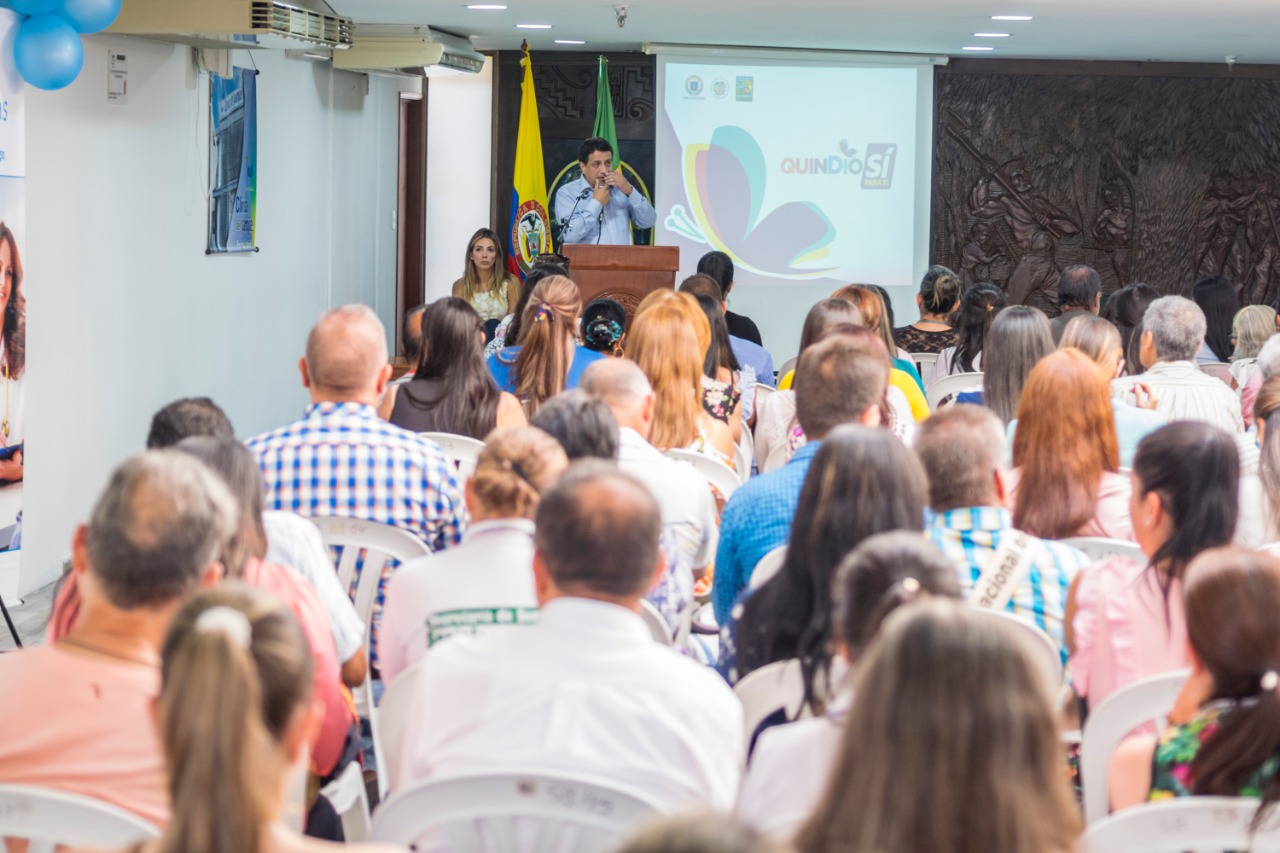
{"x": 1231, "y": 60}
{"x": 622, "y": 15}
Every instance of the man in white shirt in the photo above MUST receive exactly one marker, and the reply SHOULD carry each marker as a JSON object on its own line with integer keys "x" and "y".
{"x": 1172, "y": 331}
{"x": 684, "y": 499}
{"x": 586, "y": 690}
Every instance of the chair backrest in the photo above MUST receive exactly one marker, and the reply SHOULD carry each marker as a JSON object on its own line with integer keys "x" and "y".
{"x": 1099, "y": 548}
{"x": 948, "y": 386}
{"x": 50, "y": 819}
{"x": 925, "y": 363}
{"x": 777, "y": 458}
{"x": 657, "y": 626}
{"x": 1219, "y": 370}
{"x": 718, "y": 474}
{"x": 1185, "y": 823}
{"x": 774, "y": 687}
{"x": 363, "y": 550}
{"x": 1145, "y": 701}
{"x": 462, "y": 449}
{"x": 1044, "y": 652}
{"x": 768, "y": 566}
{"x": 787, "y": 366}
{"x": 744, "y": 454}
{"x": 533, "y": 812}
{"x": 350, "y": 799}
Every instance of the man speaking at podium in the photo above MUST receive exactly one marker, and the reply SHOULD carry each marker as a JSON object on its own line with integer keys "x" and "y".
{"x": 600, "y": 207}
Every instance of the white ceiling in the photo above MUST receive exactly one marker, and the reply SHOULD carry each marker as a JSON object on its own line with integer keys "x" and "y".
{"x": 1166, "y": 30}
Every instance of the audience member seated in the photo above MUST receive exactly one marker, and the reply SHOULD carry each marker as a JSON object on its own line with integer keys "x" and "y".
{"x": 699, "y": 833}
{"x": 905, "y": 377}
{"x": 963, "y": 450}
{"x": 727, "y": 388}
{"x": 234, "y": 713}
{"x": 1259, "y": 522}
{"x": 719, "y": 266}
{"x": 1018, "y": 339}
{"x": 1253, "y": 325}
{"x": 510, "y": 329}
{"x": 790, "y": 764}
{"x": 1218, "y": 298}
{"x": 548, "y": 358}
{"x": 604, "y": 324}
{"x": 291, "y": 540}
{"x": 586, "y": 689}
{"x": 1124, "y": 309}
{"x": 486, "y": 582}
{"x": 669, "y": 338}
{"x": 862, "y": 482}
{"x": 1066, "y": 479}
{"x": 80, "y": 716}
{"x": 410, "y": 342}
{"x": 451, "y": 389}
{"x": 1173, "y": 331}
{"x": 1125, "y": 620}
{"x": 938, "y": 299}
{"x": 978, "y": 307}
{"x": 1100, "y": 340}
{"x": 1268, "y": 368}
{"x": 583, "y": 425}
{"x": 951, "y": 744}
{"x": 1222, "y": 739}
{"x": 486, "y": 285}
{"x": 838, "y": 381}
{"x": 1079, "y": 293}
{"x": 748, "y": 353}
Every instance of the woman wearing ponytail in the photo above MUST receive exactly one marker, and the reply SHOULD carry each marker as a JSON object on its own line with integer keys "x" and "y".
{"x": 548, "y": 359}
{"x": 604, "y": 324}
{"x": 1224, "y": 733}
{"x": 235, "y": 716}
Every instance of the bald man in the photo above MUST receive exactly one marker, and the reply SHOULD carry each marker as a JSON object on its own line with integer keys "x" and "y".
{"x": 341, "y": 459}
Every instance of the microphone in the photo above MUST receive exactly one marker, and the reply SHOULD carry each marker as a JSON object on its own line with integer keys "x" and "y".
{"x": 564, "y": 223}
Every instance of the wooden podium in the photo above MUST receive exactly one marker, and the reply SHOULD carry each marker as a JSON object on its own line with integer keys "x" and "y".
{"x": 625, "y": 274}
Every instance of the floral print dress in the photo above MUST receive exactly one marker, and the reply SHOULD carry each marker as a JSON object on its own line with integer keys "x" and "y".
{"x": 1178, "y": 746}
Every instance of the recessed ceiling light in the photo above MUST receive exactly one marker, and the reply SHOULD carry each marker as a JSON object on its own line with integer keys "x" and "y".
{"x": 991, "y": 35}
{"x": 533, "y": 26}
{"x": 973, "y": 47}
{"x": 570, "y": 41}
{"x": 1011, "y": 17}
{"x": 487, "y": 7}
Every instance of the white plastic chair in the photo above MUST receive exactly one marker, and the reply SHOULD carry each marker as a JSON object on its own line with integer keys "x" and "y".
{"x": 371, "y": 546}
{"x": 1044, "y": 652}
{"x": 744, "y": 454}
{"x": 949, "y": 386}
{"x": 50, "y": 819}
{"x": 1145, "y": 701}
{"x": 350, "y": 799}
{"x": 533, "y": 812}
{"x": 1185, "y": 823}
{"x": 770, "y": 564}
{"x": 1098, "y": 548}
{"x": 923, "y": 360}
{"x": 774, "y": 687}
{"x": 462, "y": 449}
{"x": 1219, "y": 370}
{"x": 787, "y": 366}
{"x": 657, "y": 626}
{"x": 777, "y": 458}
{"x": 717, "y": 473}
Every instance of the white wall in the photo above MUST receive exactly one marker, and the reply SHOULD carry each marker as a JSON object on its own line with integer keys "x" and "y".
{"x": 126, "y": 312}
{"x": 459, "y": 176}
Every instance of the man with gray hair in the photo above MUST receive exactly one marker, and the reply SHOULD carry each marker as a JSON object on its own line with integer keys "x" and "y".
{"x": 962, "y": 450}
{"x": 81, "y": 715}
{"x": 1173, "y": 331}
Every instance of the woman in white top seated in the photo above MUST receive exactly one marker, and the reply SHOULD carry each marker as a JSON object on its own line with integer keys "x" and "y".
{"x": 485, "y": 284}
{"x": 790, "y": 765}
{"x": 978, "y": 308}
{"x": 487, "y": 579}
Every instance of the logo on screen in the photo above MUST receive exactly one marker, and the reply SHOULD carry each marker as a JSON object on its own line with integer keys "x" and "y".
{"x": 745, "y": 89}
{"x": 877, "y": 173}
{"x": 693, "y": 86}
{"x": 720, "y": 87}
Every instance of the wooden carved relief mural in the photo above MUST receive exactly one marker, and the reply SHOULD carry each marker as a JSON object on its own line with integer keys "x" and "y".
{"x": 1144, "y": 178}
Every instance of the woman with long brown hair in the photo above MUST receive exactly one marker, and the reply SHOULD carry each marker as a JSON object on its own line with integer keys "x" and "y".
{"x": 977, "y": 711}
{"x": 485, "y": 284}
{"x": 1260, "y": 496}
{"x": 1066, "y": 479}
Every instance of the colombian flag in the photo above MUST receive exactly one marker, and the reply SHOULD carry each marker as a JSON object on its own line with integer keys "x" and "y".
{"x": 530, "y": 223}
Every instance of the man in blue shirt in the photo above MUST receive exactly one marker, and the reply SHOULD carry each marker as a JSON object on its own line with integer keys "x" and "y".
{"x": 840, "y": 380}
{"x": 601, "y": 206}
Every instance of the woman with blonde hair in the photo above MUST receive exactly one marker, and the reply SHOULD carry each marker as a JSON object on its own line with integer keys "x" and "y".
{"x": 978, "y": 712}
{"x": 1252, "y": 326}
{"x": 548, "y": 359}
{"x": 668, "y": 340}
{"x": 487, "y": 579}
{"x": 234, "y": 714}
{"x": 485, "y": 284}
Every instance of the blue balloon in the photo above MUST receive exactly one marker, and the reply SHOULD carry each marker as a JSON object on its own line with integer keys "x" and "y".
{"x": 90, "y": 16}
{"x": 33, "y": 7}
{"x": 48, "y": 52}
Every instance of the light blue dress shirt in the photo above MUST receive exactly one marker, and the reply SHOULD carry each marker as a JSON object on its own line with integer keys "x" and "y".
{"x": 750, "y": 353}
{"x": 586, "y": 225}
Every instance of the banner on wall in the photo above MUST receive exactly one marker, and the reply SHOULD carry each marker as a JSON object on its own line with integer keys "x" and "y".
{"x": 13, "y": 303}
{"x": 233, "y": 161}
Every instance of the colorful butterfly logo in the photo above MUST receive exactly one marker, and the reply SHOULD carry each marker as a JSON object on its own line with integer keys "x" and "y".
{"x": 725, "y": 184}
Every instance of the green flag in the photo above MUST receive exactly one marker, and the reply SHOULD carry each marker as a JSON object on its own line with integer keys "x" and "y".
{"x": 604, "y": 127}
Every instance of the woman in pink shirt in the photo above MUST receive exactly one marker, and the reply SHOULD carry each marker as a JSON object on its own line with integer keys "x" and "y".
{"x": 1125, "y": 620}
